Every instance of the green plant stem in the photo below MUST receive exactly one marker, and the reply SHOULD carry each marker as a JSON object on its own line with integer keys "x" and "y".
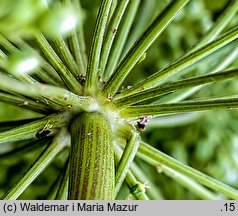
{"x": 111, "y": 32}
{"x": 76, "y": 40}
{"x": 6, "y": 44}
{"x": 57, "y": 98}
{"x": 43, "y": 77}
{"x": 51, "y": 72}
{"x": 81, "y": 40}
{"x": 121, "y": 37}
{"x": 65, "y": 55}
{"x": 112, "y": 10}
{"x": 152, "y": 191}
{"x": 185, "y": 93}
{"x": 130, "y": 178}
{"x": 94, "y": 56}
{"x": 77, "y": 52}
{"x": 184, "y": 62}
{"x": 24, "y": 103}
{"x": 62, "y": 193}
{"x": 126, "y": 160}
{"x": 150, "y": 153}
{"x": 143, "y": 20}
{"x": 66, "y": 76}
{"x": 176, "y": 120}
{"x": 157, "y": 92}
{"x": 61, "y": 141}
{"x": 29, "y": 130}
{"x": 27, "y": 147}
{"x": 149, "y": 36}
{"x": 190, "y": 106}
{"x": 137, "y": 189}
{"x": 188, "y": 183}
{"x": 92, "y": 174}
{"x": 47, "y": 73}
{"x": 223, "y": 20}
{"x": 6, "y": 125}
{"x": 51, "y": 77}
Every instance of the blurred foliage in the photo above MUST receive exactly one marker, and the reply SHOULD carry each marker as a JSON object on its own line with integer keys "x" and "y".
{"x": 26, "y": 17}
{"x": 208, "y": 143}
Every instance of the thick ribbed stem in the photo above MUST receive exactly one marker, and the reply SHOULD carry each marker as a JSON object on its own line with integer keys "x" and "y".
{"x": 92, "y": 162}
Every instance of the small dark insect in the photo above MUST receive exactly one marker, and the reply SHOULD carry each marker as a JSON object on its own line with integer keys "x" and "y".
{"x": 43, "y": 133}
{"x": 142, "y": 123}
{"x": 81, "y": 78}
{"x": 114, "y": 31}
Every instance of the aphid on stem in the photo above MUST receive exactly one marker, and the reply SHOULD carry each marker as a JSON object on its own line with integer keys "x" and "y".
{"x": 44, "y": 132}
{"x": 114, "y": 31}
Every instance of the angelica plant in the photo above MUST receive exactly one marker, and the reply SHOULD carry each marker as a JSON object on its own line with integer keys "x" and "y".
{"x": 84, "y": 117}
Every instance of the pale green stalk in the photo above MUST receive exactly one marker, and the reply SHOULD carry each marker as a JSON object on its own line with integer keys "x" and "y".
{"x": 76, "y": 40}
{"x": 57, "y": 98}
{"x": 183, "y": 63}
{"x": 66, "y": 56}
{"x": 121, "y": 37}
{"x": 183, "y": 94}
{"x": 60, "y": 141}
{"x": 62, "y": 193}
{"x": 158, "y": 92}
{"x": 139, "y": 47}
{"x": 222, "y": 22}
{"x": 92, "y": 74}
{"x": 146, "y": 151}
{"x": 66, "y": 76}
{"x": 126, "y": 159}
{"x": 130, "y": 178}
{"x": 143, "y": 20}
{"x": 190, "y": 106}
{"x": 24, "y": 103}
{"x": 29, "y": 130}
{"x": 28, "y": 146}
{"x": 188, "y": 183}
{"x": 111, "y": 33}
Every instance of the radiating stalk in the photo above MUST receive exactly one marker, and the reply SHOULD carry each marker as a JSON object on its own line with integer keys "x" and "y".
{"x": 190, "y": 106}
{"x": 76, "y": 40}
{"x": 146, "y": 151}
{"x": 126, "y": 160}
{"x": 28, "y": 131}
{"x": 24, "y": 103}
{"x": 149, "y": 36}
{"x": 67, "y": 77}
{"x": 62, "y": 193}
{"x": 223, "y": 20}
{"x": 91, "y": 173}
{"x": 82, "y": 56}
{"x": 184, "y": 62}
{"x": 121, "y": 37}
{"x": 66, "y": 56}
{"x": 55, "y": 97}
{"x": 157, "y": 92}
{"x": 185, "y": 93}
{"x": 145, "y": 15}
{"x": 61, "y": 141}
{"x": 191, "y": 185}
{"x": 112, "y": 32}
{"x": 23, "y": 149}
{"x": 136, "y": 187}
{"x": 96, "y": 45}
